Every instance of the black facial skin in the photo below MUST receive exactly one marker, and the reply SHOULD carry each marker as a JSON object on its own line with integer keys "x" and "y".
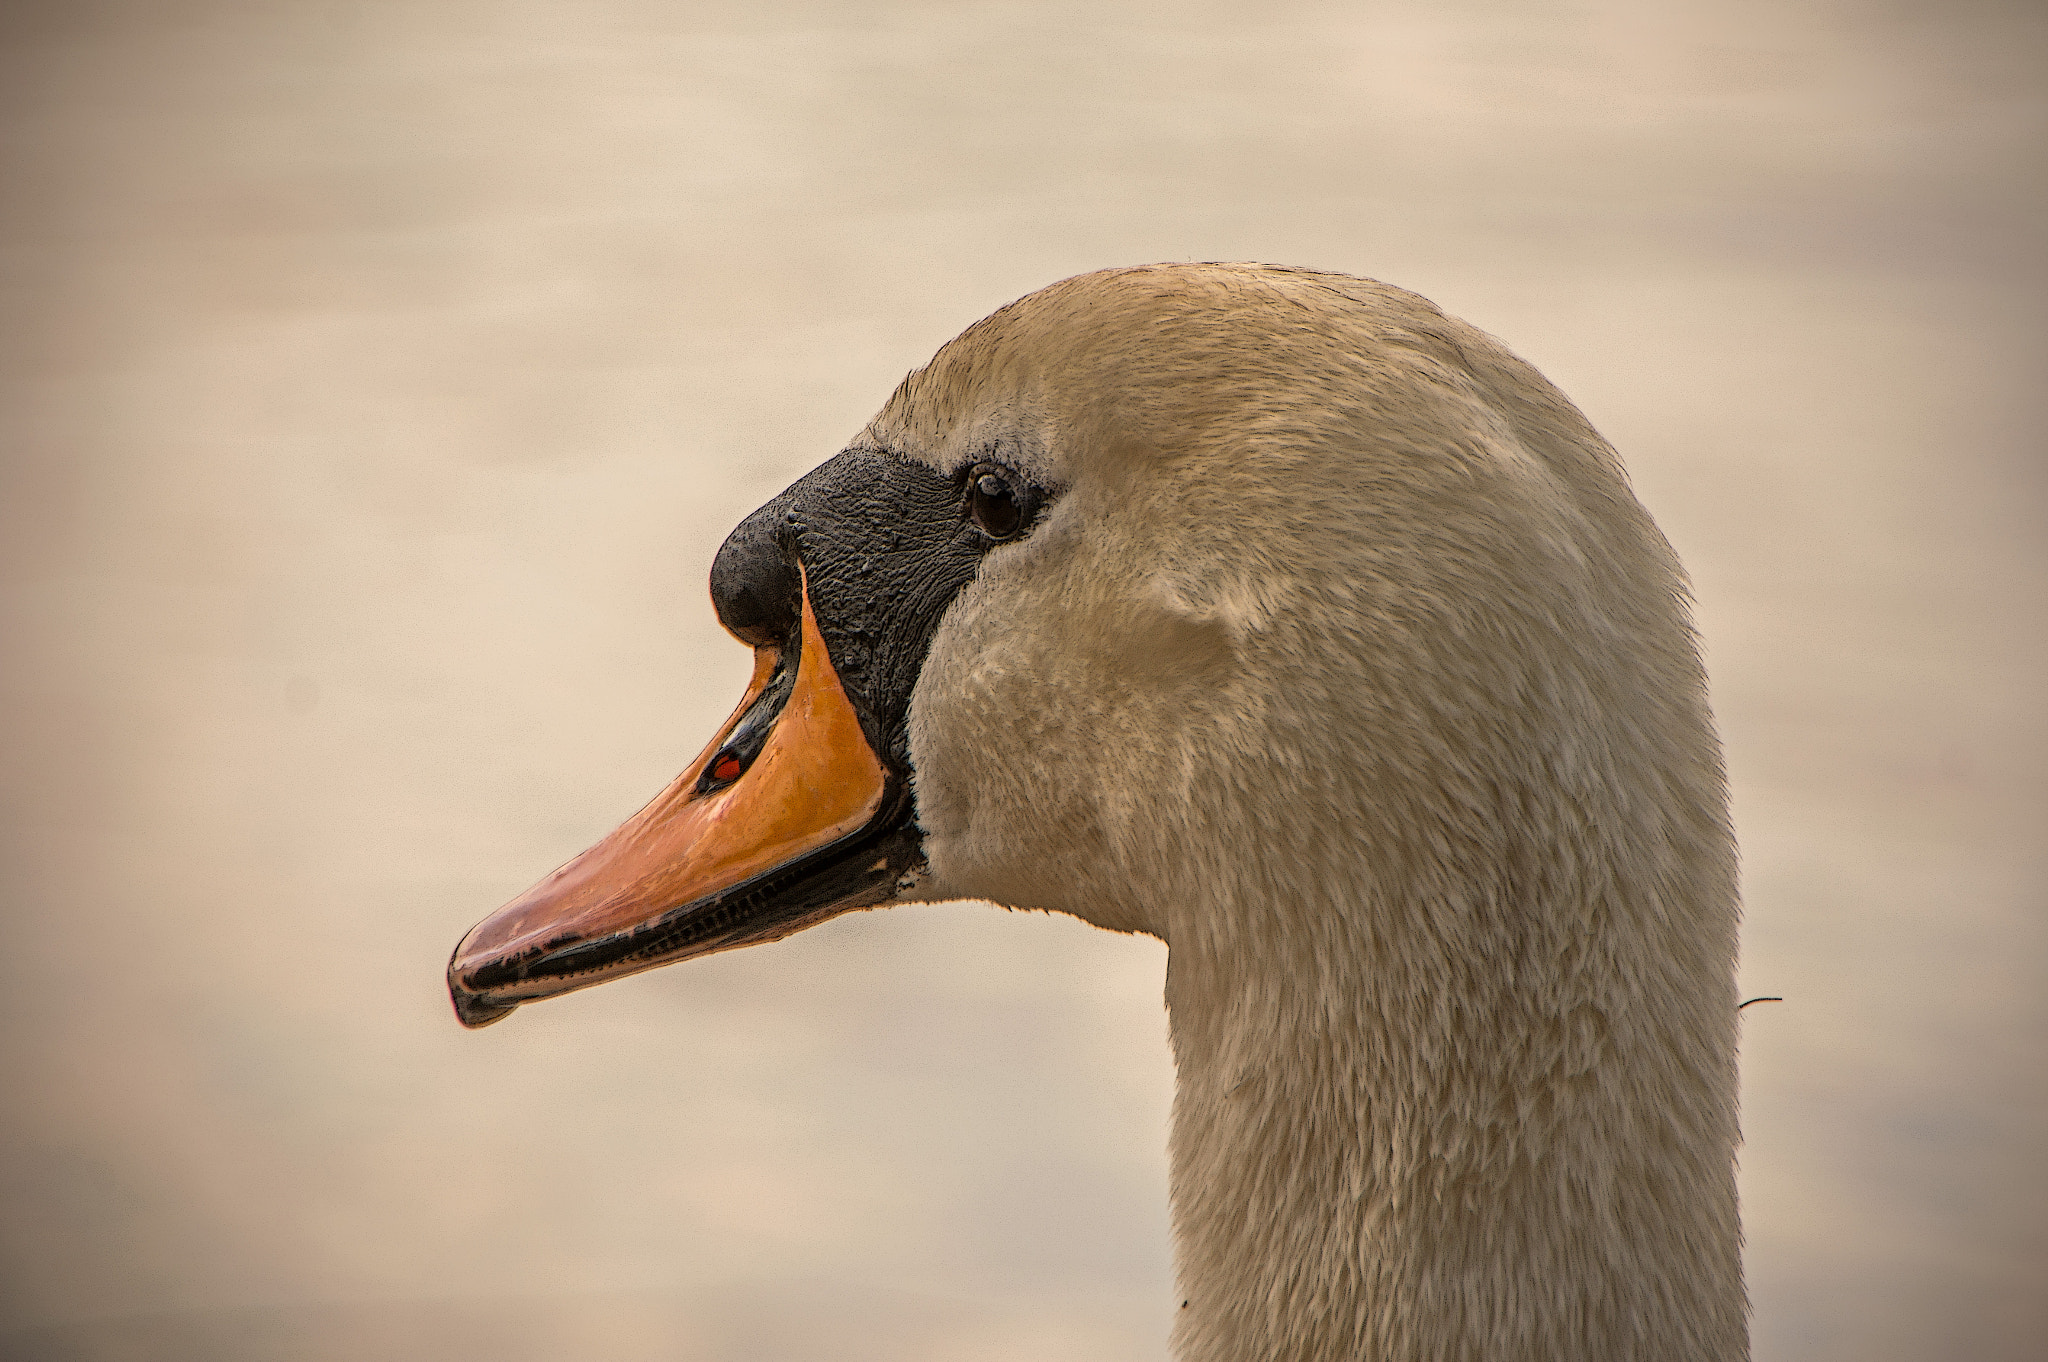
{"x": 884, "y": 544}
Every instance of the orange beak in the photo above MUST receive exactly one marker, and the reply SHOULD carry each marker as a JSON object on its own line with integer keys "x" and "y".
{"x": 755, "y": 840}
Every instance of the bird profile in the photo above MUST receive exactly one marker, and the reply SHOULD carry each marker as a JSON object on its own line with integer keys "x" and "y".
{"x": 1277, "y": 615}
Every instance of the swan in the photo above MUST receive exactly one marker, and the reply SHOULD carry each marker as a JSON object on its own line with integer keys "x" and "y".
{"x": 1285, "y": 618}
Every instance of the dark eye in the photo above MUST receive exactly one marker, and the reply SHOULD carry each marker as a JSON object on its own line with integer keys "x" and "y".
{"x": 992, "y": 504}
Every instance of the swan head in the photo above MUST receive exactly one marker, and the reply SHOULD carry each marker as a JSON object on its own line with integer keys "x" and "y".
{"x": 1187, "y": 599}
{"x": 1280, "y": 616}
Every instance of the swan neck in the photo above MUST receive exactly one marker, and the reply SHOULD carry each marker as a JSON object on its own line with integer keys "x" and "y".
{"x": 1388, "y": 1162}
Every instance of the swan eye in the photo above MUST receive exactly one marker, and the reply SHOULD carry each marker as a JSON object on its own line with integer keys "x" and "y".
{"x": 993, "y": 505}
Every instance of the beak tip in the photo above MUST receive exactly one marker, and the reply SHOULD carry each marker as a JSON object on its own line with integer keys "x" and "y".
{"x": 474, "y": 1010}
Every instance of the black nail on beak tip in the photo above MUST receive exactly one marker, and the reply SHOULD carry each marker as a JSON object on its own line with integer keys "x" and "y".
{"x": 473, "y": 1010}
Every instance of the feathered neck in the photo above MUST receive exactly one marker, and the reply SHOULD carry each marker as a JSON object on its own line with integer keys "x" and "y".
{"x": 1456, "y": 1072}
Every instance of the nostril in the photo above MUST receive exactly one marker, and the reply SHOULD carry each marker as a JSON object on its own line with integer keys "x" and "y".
{"x": 731, "y": 761}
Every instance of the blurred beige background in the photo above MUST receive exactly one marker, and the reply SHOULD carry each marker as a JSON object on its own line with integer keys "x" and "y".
{"x": 379, "y": 379}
